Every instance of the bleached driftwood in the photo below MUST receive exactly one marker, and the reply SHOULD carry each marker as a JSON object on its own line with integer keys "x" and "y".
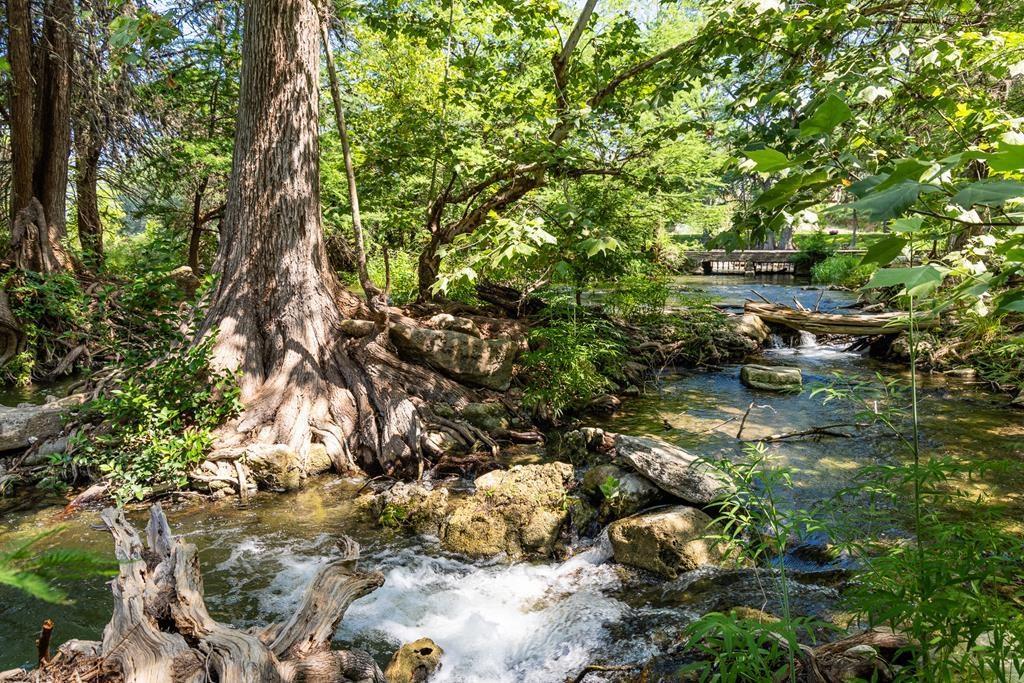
{"x": 161, "y": 631}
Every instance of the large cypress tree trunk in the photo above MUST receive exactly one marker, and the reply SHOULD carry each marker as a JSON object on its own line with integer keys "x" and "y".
{"x": 278, "y": 310}
{"x": 40, "y": 134}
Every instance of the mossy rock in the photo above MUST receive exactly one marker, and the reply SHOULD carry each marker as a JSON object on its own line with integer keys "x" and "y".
{"x": 519, "y": 511}
{"x": 414, "y": 662}
{"x": 668, "y": 542}
{"x": 772, "y": 377}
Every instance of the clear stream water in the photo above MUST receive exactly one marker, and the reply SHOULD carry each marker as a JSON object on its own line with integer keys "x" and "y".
{"x": 528, "y": 621}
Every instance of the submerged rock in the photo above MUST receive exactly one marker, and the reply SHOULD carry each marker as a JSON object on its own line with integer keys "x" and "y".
{"x": 519, "y": 512}
{"x": 772, "y": 377}
{"x": 671, "y": 468}
{"x": 483, "y": 362}
{"x": 414, "y": 662}
{"x": 22, "y": 426}
{"x": 667, "y": 542}
{"x": 621, "y": 492}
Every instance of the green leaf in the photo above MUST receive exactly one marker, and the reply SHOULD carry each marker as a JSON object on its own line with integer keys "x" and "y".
{"x": 887, "y": 204}
{"x": 768, "y": 159}
{"x": 915, "y": 281}
{"x": 865, "y": 185}
{"x": 599, "y": 245}
{"x": 884, "y": 251}
{"x": 909, "y": 224}
{"x": 989, "y": 193}
{"x": 1007, "y": 158}
{"x": 1011, "y": 302}
{"x": 904, "y": 169}
{"x": 826, "y": 117}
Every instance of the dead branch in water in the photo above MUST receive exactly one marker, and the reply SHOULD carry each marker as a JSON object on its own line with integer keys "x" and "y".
{"x": 161, "y": 629}
{"x": 824, "y": 430}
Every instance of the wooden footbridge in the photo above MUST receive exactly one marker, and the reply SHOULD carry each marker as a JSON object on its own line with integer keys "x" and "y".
{"x": 752, "y": 261}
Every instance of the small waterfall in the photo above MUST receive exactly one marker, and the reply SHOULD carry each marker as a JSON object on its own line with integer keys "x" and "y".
{"x": 497, "y": 622}
{"x": 775, "y": 341}
{"x": 599, "y": 553}
{"x": 808, "y": 340}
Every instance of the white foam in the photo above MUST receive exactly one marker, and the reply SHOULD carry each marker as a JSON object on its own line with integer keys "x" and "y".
{"x": 496, "y": 622}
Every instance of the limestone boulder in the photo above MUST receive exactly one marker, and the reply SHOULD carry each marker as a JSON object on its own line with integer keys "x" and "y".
{"x": 666, "y": 542}
{"x": 446, "y": 321}
{"x": 772, "y": 377}
{"x": 463, "y": 357}
{"x": 414, "y": 662}
{"x": 275, "y": 466}
{"x": 619, "y": 492}
{"x": 26, "y": 424}
{"x": 672, "y": 469}
{"x": 751, "y": 326}
{"x": 519, "y": 512}
{"x": 412, "y": 506}
{"x": 185, "y": 279}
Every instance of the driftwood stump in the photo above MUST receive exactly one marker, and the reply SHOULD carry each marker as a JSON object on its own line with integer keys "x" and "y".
{"x": 161, "y": 631}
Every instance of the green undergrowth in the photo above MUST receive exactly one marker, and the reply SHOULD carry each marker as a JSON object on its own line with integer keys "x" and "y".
{"x": 843, "y": 270}
{"x": 155, "y": 426}
{"x": 113, "y": 322}
{"x": 573, "y": 358}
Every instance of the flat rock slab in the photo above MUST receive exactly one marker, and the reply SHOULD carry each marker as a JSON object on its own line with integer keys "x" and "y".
{"x": 670, "y": 468}
{"x": 772, "y": 377}
{"x": 463, "y": 357}
{"x": 21, "y": 427}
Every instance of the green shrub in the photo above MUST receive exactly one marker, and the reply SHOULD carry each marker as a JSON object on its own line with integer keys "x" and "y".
{"x": 637, "y": 297}
{"x": 156, "y": 426}
{"x": 54, "y": 314}
{"x": 814, "y": 248}
{"x": 574, "y": 359}
{"x": 843, "y": 270}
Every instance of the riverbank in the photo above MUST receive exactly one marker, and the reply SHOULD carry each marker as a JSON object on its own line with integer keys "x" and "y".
{"x": 544, "y": 619}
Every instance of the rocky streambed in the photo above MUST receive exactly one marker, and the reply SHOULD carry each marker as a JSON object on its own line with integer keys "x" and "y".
{"x": 589, "y": 550}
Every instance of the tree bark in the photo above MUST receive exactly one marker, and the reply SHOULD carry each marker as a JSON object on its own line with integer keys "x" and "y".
{"x": 278, "y": 307}
{"x": 40, "y": 134}
{"x": 195, "y": 235}
{"x": 88, "y": 147}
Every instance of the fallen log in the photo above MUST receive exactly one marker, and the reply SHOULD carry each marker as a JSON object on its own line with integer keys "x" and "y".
{"x": 854, "y": 324}
{"x": 161, "y": 631}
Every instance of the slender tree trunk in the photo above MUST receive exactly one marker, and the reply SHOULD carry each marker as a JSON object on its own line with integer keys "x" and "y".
{"x": 19, "y": 55}
{"x": 88, "y": 147}
{"x": 428, "y": 267}
{"x": 195, "y": 235}
{"x": 278, "y": 309}
{"x": 371, "y": 290}
{"x": 53, "y": 112}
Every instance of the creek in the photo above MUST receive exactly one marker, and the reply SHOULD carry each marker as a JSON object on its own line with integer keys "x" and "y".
{"x": 531, "y": 621}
